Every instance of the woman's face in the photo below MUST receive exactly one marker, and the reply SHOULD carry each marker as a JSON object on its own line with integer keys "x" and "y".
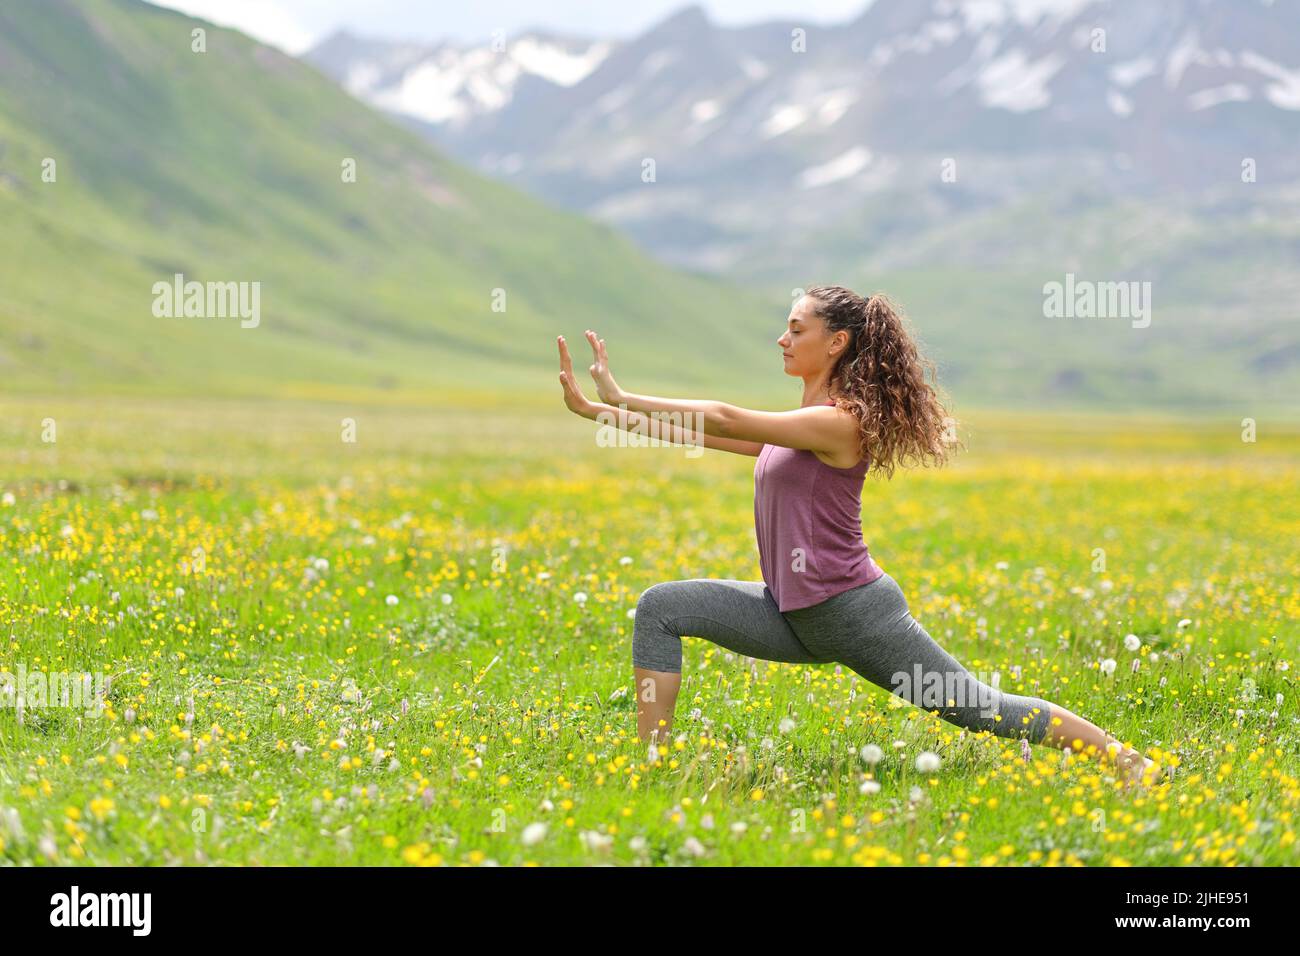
{"x": 805, "y": 344}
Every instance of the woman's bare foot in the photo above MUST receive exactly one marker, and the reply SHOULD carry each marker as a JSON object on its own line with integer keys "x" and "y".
{"x": 1136, "y": 769}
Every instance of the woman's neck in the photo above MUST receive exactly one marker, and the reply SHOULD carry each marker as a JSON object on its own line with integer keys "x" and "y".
{"x": 815, "y": 393}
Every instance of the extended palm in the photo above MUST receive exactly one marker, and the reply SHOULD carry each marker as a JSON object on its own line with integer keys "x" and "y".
{"x": 573, "y": 397}
{"x": 606, "y": 387}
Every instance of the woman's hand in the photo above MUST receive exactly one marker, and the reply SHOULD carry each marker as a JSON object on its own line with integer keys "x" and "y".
{"x": 573, "y": 397}
{"x": 606, "y": 387}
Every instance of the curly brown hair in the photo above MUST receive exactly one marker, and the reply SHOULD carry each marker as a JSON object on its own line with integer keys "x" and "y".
{"x": 880, "y": 377}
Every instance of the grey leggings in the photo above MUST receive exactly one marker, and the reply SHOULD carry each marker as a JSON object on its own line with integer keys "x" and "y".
{"x": 868, "y": 628}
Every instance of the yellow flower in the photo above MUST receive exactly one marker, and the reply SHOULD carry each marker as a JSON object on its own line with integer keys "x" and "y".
{"x": 101, "y": 807}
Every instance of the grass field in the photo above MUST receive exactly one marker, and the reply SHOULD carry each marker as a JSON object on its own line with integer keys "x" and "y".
{"x": 415, "y": 648}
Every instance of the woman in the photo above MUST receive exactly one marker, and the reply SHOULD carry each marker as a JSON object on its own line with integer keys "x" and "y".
{"x": 822, "y": 599}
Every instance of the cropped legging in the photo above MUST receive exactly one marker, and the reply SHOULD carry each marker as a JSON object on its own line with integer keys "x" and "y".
{"x": 868, "y": 628}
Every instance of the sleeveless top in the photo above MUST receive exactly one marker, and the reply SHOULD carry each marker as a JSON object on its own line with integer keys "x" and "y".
{"x": 808, "y": 522}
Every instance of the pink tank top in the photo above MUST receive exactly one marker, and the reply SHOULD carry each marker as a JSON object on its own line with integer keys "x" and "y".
{"x": 808, "y": 522}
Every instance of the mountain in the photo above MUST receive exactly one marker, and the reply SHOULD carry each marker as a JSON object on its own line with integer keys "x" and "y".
{"x": 128, "y": 157}
{"x": 963, "y": 154}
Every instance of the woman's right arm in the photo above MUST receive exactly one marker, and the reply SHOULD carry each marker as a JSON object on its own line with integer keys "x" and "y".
{"x": 630, "y": 421}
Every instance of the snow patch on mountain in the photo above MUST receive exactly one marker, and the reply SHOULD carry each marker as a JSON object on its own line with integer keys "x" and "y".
{"x": 979, "y": 15}
{"x": 1119, "y": 104}
{"x": 1013, "y": 82}
{"x": 1228, "y": 93}
{"x": 1285, "y": 93}
{"x": 555, "y": 63}
{"x": 783, "y": 119}
{"x": 1130, "y": 72}
{"x": 841, "y": 167}
{"x": 835, "y": 104}
{"x": 705, "y": 110}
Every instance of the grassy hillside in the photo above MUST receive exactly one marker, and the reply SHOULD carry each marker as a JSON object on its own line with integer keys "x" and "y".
{"x": 1223, "y": 320}
{"x": 227, "y": 166}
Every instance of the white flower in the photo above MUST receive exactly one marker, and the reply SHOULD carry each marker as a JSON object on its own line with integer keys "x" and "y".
{"x": 927, "y": 761}
{"x": 916, "y": 795}
{"x": 67, "y": 531}
{"x": 534, "y": 833}
{"x": 148, "y": 514}
{"x": 546, "y": 806}
{"x": 596, "y": 842}
{"x": 8, "y": 499}
{"x": 321, "y": 564}
{"x": 1106, "y": 584}
{"x": 1108, "y": 666}
{"x": 652, "y": 754}
{"x": 694, "y": 847}
{"x": 740, "y": 826}
{"x": 129, "y": 715}
{"x": 872, "y": 754}
{"x": 179, "y": 592}
{"x": 47, "y": 847}
{"x": 11, "y": 823}
{"x": 1132, "y": 642}
{"x": 446, "y": 599}
{"x": 1153, "y": 657}
{"x": 1185, "y": 622}
{"x": 377, "y": 757}
{"x": 391, "y": 600}
{"x": 1002, "y": 565}
{"x": 1240, "y": 713}
{"x": 631, "y": 613}
{"x": 786, "y": 725}
{"x": 544, "y": 575}
{"x": 637, "y": 844}
{"x": 1279, "y": 699}
{"x": 706, "y": 821}
{"x": 580, "y": 597}
{"x": 869, "y": 786}
{"x": 625, "y": 560}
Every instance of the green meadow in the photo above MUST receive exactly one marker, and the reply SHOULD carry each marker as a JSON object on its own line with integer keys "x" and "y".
{"x": 413, "y": 647}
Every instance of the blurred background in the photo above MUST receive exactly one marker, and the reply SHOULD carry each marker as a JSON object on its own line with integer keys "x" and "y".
{"x": 669, "y": 174}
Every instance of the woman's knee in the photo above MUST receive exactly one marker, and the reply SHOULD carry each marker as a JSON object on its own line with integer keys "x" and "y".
{"x": 654, "y": 646}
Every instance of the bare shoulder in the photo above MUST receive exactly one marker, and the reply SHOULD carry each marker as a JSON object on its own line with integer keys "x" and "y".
{"x": 848, "y": 453}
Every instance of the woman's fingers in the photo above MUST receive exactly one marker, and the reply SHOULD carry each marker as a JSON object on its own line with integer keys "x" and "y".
{"x": 565, "y": 363}
{"x": 595, "y": 345}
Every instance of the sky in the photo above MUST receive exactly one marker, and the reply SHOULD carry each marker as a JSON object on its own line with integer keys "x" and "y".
{"x": 295, "y": 25}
